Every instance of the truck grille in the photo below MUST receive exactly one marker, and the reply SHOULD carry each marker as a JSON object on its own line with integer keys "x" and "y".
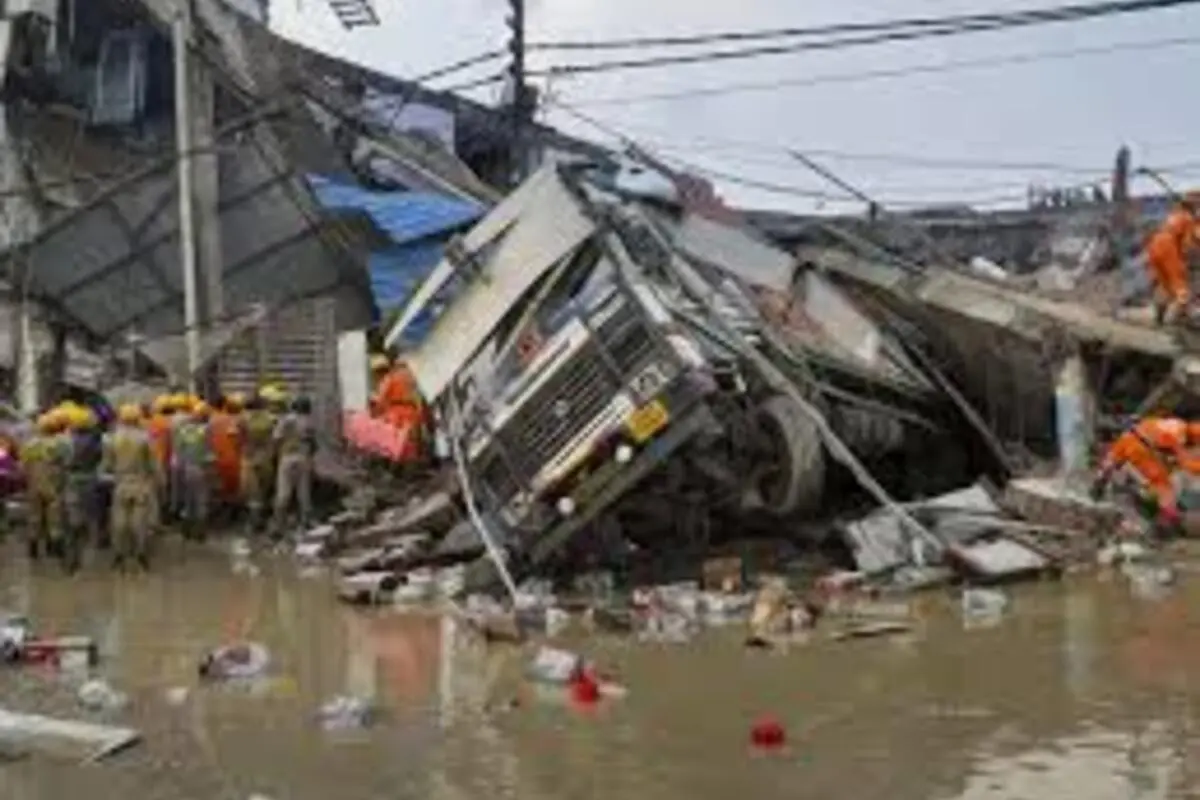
{"x": 574, "y": 395}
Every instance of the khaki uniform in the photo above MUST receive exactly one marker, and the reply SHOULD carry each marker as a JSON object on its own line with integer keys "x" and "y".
{"x": 129, "y": 458}
{"x": 83, "y": 492}
{"x": 258, "y": 461}
{"x": 44, "y": 458}
{"x": 194, "y": 460}
{"x": 295, "y": 438}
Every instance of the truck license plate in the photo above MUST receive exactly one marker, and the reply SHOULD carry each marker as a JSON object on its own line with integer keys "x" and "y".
{"x": 647, "y": 421}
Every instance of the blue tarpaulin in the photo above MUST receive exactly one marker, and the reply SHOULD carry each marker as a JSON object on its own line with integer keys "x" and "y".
{"x": 418, "y": 224}
{"x": 404, "y": 216}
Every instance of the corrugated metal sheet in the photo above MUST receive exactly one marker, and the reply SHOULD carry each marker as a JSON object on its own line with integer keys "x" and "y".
{"x": 404, "y": 216}
{"x": 115, "y": 265}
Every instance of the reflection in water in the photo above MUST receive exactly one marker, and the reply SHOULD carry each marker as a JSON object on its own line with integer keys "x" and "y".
{"x": 1078, "y": 692}
{"x": 1098, "y": 765}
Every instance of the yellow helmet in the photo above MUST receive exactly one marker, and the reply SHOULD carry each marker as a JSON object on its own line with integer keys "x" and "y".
{"x": 179, "y": 401}
{"x": 161, "y": 403}
{"x": 235, "y": 401}
{"x": 49, "y": 421}
{"x": 272, "y": 393}
{"x": 200, "y": 409}
{"x": 82, "y": 417}
{"x": 379, "y": 362}
{"x": 130, "y": 413}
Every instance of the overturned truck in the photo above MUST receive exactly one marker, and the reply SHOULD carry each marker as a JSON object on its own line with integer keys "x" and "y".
{"x": 590, "y": 338}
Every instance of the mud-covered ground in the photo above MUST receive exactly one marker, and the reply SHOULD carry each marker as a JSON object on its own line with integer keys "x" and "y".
{"x": 1082, "y": 690}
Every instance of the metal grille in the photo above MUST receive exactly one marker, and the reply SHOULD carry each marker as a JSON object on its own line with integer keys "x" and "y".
{"x": 560, "y": 409}
{"x": 574, "y": 395}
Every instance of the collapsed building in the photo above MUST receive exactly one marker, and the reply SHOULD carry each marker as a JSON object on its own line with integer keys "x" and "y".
{"x": 610, "y": 365}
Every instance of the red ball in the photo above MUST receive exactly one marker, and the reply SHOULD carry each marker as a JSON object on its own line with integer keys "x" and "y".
{"x": 767, "y": 733}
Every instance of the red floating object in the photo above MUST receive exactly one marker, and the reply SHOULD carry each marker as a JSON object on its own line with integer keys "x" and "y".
{"x": 767, "y": 733}
{"x": 585, "y": 689}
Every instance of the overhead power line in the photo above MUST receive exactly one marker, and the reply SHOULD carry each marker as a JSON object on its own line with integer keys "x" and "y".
{"x": 859, "y": 76}
{"x": 950, "y": 27}
{"x": 1096, "y": 176}
{"x": 717, "y": 144}
{"x": 767, "y": 34}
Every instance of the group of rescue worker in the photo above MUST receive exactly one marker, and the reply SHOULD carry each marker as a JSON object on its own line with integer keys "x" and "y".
{"x": 178, "y": 460}
{"x": 1153, "y": 461}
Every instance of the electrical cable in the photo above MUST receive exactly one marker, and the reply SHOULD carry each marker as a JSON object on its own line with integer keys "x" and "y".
{"x": 998, "y": 22}
{"x": 881, "y": 74}
{"x": 792, "y": 190}
{"x": 642, "y": 42}
{"x": 716, "y": 144}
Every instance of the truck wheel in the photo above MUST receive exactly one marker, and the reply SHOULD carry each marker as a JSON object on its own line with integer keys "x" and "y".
{"x": 795, "y": 480}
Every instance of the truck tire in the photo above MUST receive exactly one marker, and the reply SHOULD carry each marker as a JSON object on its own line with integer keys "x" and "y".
{"x": 797, "y": 485}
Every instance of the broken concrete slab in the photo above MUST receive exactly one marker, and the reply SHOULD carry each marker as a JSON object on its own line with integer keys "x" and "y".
{"x": 85, "y": 741}
{"x": 1054, "y": 502}
{"x": 998, "y": 559}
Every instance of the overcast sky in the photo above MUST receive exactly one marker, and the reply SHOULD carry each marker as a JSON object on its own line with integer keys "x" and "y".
{"x": 1061, "y": 112}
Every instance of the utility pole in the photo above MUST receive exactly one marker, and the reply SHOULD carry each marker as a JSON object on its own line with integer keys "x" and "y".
{"x": 181, "y": 30}
{"x": 516, "y": 46}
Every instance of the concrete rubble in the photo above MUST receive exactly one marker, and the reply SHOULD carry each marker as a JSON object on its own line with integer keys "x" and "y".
{"x": 838, "y": 362}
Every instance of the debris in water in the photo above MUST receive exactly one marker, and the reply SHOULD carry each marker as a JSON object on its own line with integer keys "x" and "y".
{"x": 983, "y": 608}
{"x": 98, "y": 695}
{"x": 555, "y": 666}
{"x": 243, "y": 660}
{"x": 346, "y": 713}
{"x": 767, "y": 733}
{"x": 1121, "y": 553}
{"x": 1147, "y": 581}
{"x": 177, "y": 695}
{"x": 93, "y": 742}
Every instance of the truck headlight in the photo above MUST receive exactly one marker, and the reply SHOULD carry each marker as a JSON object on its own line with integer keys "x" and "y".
{"x": 565, "y": 506}
{"x": 624, "y": 454}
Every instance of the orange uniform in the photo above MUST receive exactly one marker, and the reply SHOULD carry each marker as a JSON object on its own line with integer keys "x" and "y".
{"x": 398, "y": 402}
{"x": 1154, "y": 449}
{"x": 1166, "y": 256}
{"x": 159, "y": 428}
{"x": 226, "y": 438}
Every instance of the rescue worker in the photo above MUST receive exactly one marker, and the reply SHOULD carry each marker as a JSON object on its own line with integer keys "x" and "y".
{"x": 398, "y": 402}
{"x": 258, "y": 459}
{"x": 44, "y": 458}
{"x": 81, "y": 506}
{"x": 295, "y": 439}
{"x": 159, "y": 426}
{"x": 184, "y": 404}
{"x": 1149, "y": 453}
{"x": 129, "y": 458}
{"x": 194, "y": 463}
{"x": 1166, "y": 256}
{"x": 227, "y": 450}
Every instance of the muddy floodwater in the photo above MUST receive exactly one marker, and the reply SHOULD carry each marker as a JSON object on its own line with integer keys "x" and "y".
{"x": 1081, "y": 690}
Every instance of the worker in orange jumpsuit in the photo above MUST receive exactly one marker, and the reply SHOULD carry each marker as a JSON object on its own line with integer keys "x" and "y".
{"x": 398, "y": 402}
{"x": 1167, "y": 258}
{"x": 158, "y": 427}
{"x": 1152, "y": 450}
{"x": 226, "y": 437}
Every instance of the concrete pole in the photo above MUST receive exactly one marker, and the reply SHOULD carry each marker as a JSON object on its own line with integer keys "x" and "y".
{"x": 1074, "y": 406}
{"x": 181, "y": 30}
